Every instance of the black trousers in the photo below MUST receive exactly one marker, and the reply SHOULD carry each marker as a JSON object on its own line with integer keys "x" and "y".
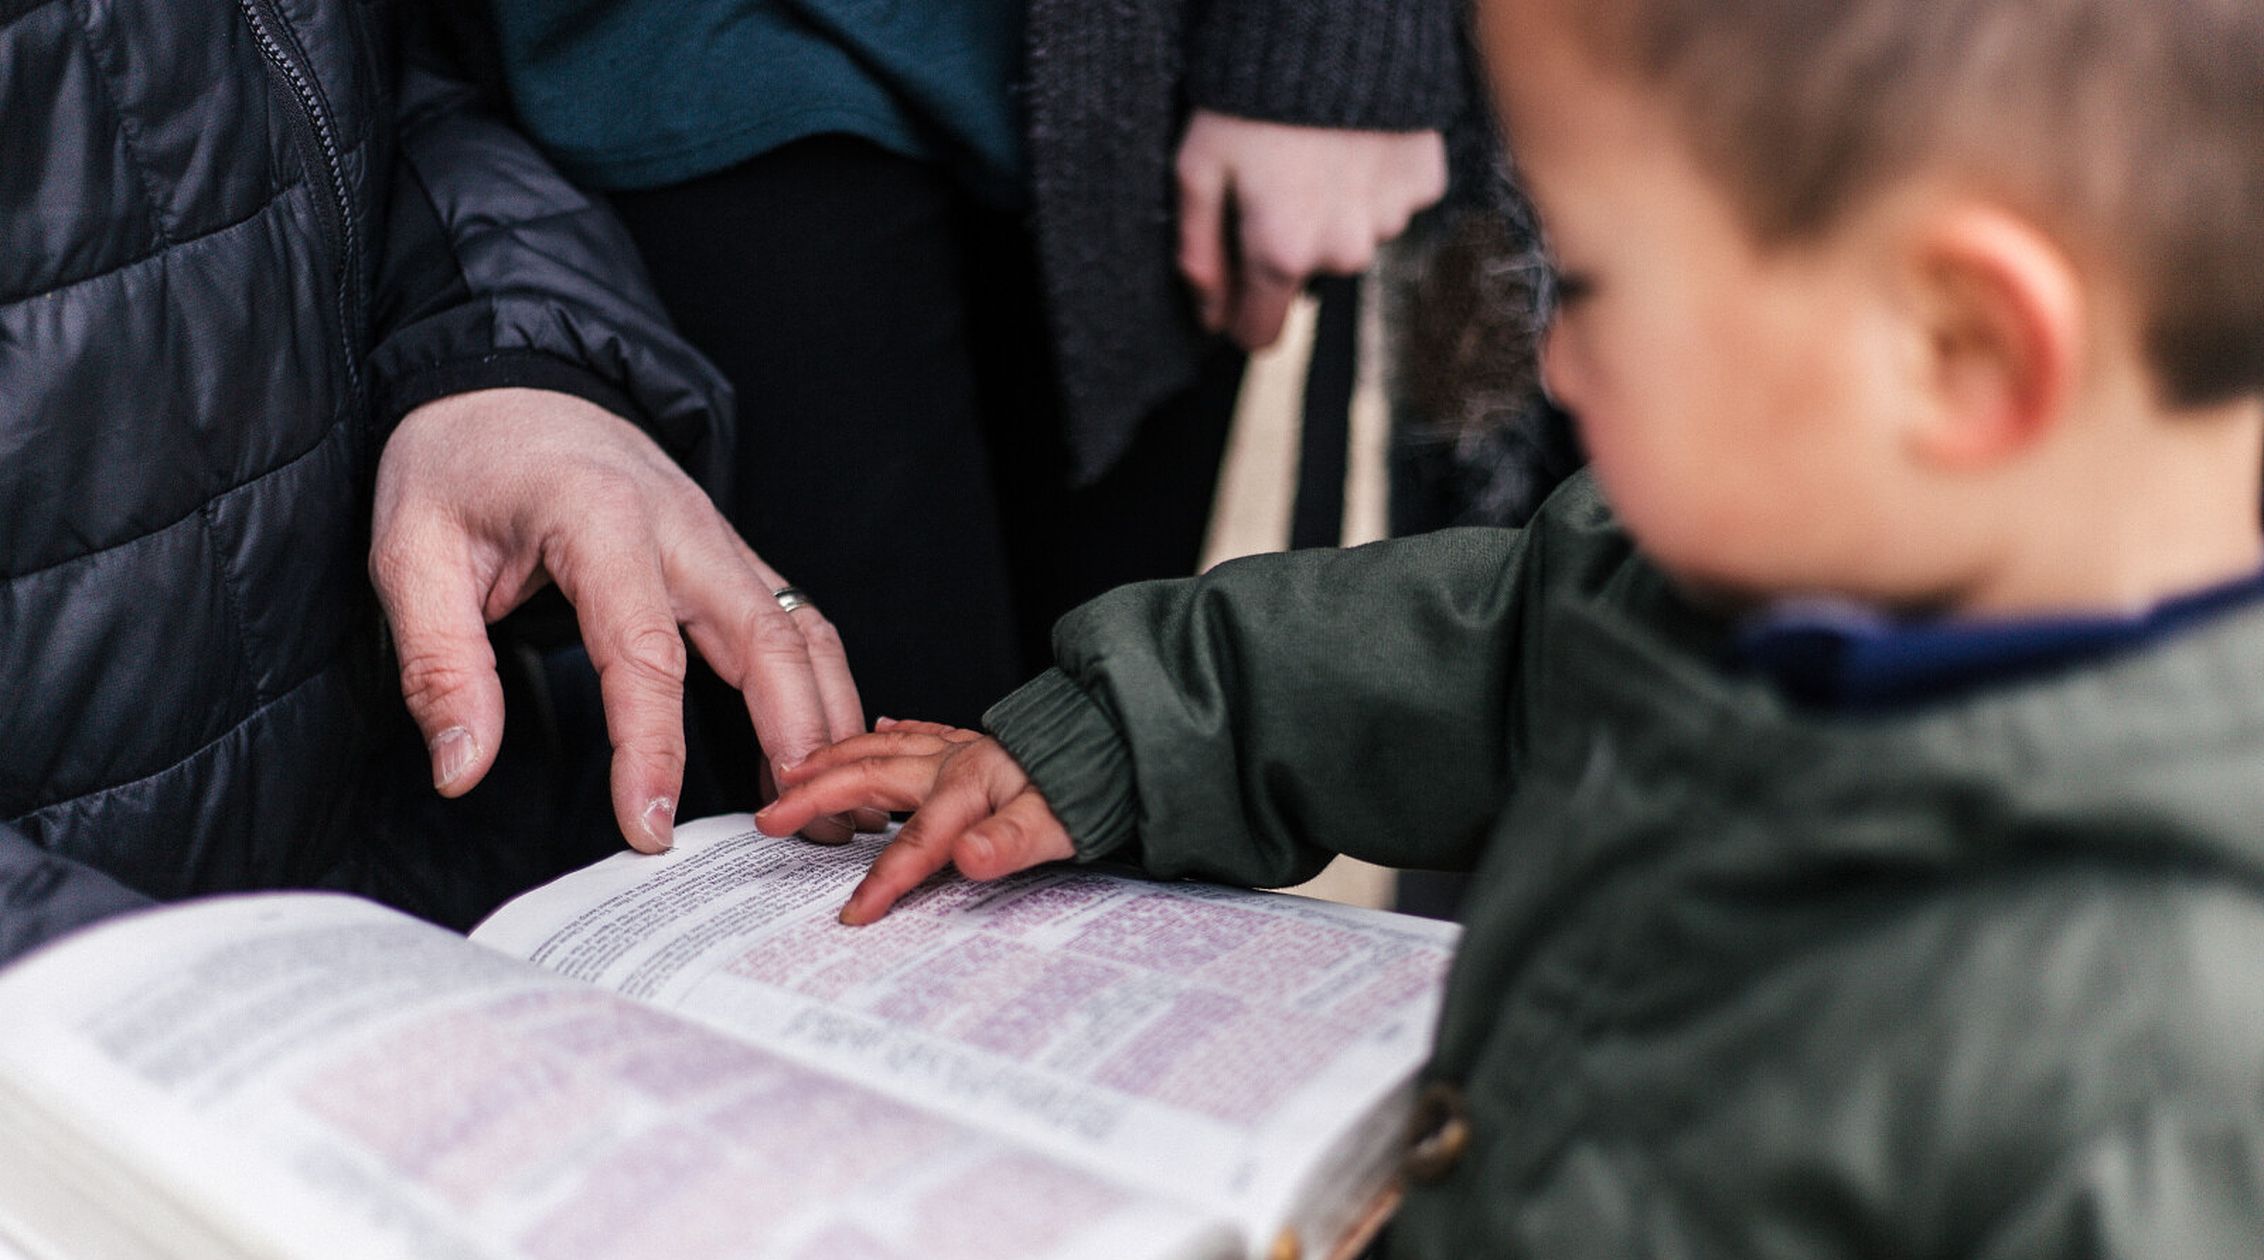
{"x": 900, "y": 453}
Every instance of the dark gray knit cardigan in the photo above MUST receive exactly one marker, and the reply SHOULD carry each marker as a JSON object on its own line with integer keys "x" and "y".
{"x": 1110, "y": 83}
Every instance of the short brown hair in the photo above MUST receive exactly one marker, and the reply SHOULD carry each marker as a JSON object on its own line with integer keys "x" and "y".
{"x": 2135, "y": 126}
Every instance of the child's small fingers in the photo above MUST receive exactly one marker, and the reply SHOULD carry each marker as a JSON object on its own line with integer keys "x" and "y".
{"x": 954, "y": 734}
{"x": 879, "y": 743}
{"x": 878, "y": 783}
{"x": 926, "y": 845}
{"x": 1019, "y": 836}
{"x": 856, "y": 748}
{"x": 910, "y": 858}
{"x": 898, "y": 870}
{"x": 833, "y": 829}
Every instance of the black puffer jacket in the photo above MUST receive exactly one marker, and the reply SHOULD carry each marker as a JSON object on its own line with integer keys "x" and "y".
{"x": 237, "y": 239}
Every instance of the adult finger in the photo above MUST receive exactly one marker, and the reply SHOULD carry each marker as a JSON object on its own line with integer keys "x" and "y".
{"x": 844, "y": 712}
{"x": 612, "y": 573}
{"x": 841, "y": 711}
{"x": 1265, "y": 287}
{"x": 829, "y": 665}
{"x": 433, "y": 601}
{"x": 724, "y": 598}
{"x": 1349, "y": 248}
{"x": 1204, "y": 258}
{"x": 1428, "y": 181}
{"x": 821, "y": 640}
{"x": 876, "y": 782}
{"x": 1022, "y": 834}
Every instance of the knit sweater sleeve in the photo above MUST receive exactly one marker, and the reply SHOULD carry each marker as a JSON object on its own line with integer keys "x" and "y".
{"x": 1379, "y": 65}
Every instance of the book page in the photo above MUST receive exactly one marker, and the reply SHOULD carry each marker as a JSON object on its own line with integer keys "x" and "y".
{"x": 1215, "y": 1044}
{"x": 315, "y": 1076}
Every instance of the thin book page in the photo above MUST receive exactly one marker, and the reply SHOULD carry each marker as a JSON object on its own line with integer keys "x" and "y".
{"x": 317, "y": 1076}
{"x": 14, "y": 1240}
{"x": 1216, "y": 1045}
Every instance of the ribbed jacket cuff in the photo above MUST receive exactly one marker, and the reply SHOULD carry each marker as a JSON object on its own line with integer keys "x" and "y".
{"x": 1074, "y": 754}
{"x": 1371, "y": 65}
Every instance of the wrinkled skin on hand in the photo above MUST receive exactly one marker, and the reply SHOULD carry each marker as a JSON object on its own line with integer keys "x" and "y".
{"x": 485, "y": 497}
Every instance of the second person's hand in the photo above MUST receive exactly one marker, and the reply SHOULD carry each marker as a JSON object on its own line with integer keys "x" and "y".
{"x": 484, "y": 497}
{"x": 1266, "y": 206}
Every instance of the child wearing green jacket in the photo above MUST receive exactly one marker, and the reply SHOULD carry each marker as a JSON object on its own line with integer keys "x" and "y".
{"x": 1863, "y": 770}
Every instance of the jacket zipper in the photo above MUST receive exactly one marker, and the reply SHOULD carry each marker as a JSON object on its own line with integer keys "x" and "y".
{"x": 318, "y": 139}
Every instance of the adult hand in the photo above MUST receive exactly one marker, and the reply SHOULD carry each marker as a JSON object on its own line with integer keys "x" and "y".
{"x": 484, "y": 497}
{"x": 1264, "y": 207}
{"x": 975, "y": 808}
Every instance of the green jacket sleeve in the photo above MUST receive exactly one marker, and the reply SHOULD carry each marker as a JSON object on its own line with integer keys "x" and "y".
{"x": 1331, "y": 63}
{"x": 2162, "y": 1186}
{"x": 1245, "y": 725}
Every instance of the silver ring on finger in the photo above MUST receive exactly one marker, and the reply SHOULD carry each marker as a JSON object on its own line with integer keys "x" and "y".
{"x": 792, "y": 597}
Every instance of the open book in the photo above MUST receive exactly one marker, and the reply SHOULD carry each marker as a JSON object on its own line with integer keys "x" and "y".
{"x": 685, "y": 1056}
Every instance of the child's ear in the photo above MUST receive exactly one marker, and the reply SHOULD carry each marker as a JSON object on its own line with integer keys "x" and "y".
{"x": 2002, "y": 307}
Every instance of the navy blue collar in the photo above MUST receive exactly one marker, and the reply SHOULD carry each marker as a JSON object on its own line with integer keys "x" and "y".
{"x": 1849, "y": 659}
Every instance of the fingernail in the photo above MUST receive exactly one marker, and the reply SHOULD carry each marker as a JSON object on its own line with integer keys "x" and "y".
{"x": 883, "y": 723}
{"x": 660, "y": 822}
{"x": 977, "y": 848}
{"x": 453, "y": 752}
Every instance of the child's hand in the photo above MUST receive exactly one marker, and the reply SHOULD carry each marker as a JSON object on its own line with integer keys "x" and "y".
{"x": 976, "y": 809}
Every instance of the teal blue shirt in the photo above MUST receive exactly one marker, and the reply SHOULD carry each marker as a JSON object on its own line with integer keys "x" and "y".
{"x": 640, "y": 93}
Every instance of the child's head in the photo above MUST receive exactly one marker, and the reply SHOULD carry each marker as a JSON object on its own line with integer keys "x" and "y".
{"x": 1907, "y": 299}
